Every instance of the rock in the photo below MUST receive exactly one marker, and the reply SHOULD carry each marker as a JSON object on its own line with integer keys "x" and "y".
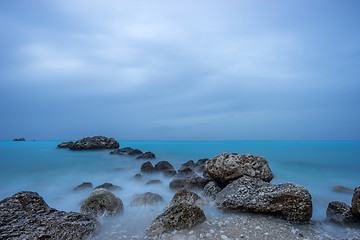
{"x": 211, "y": 189}
{"x": 122, "y": 151}
{"x": 135, "y": 152}
{"x": 181, "y": 216}
{"x": 65, "y": 145}
{"x": 19, "y": 139}
{"x": 185, "y": 196}
{"x": 291, "y": 201}
{"x": 102, "y": 202}
{"x": 147, "y": 155}
{"x": 84, "y": 185}
{"x": 137, "y": 176}
{"x": 25, "y": 215}
{"x": 153, "y": 182}
{"x": 227, "y": 167}
{"x": 200, "y": 165}
{"x": 189, "y": 182}
{"x": 343, "y": 189}
{"x": 109, "y": 186}
{"x": 185, "y": 172}
{"x": 191, "y": 164}
{"x": 97, "y": 142}
{"x": 146, "y": 199}
{"x": 169, "y": 172}
{"x": 163, "y": 165}
{"x": 340, "y": 213}
{"x": 147, "y": 167}
{"x": 355, "y": 202}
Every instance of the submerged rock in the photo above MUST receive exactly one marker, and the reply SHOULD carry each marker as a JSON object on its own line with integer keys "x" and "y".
{"x": 340, "y": 213}
{"x": 126, "y": 151}
{"x": 65, "y": 145}
{"x": 147, "y": 155}
{"x": 26, "y": 215}
{"x": 146, "y": 199}
{"x": 169, "y": 172}
{"x": 181, "y": 216}
{"x": 355, "y": 202}
{"x": 194, "y": 182}
{"x": 185, "y": 172}
{"x": 185, "y": 196}
{"x": 102, "y": 203}
{"x": 97, "y": 142}
{"x": 137, "y": 176}
{"x": 163, "y": 165}
{"x": 109, "y": 186}
{"x": 19, "y": 139}
{"x": 291, "y": 201}
{"x": 211, "y": 189}
{"x": 343, "y": 189}
{"x": 84, "y": 185}
{"x": 147, "y": 167}
{"x": 227, "y": 167}
{"x": 151, "y": 182}
{"x": 200, "y": 165}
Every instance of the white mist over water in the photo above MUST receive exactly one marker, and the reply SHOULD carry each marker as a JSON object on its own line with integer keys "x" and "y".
{"x": 53, "y": 173}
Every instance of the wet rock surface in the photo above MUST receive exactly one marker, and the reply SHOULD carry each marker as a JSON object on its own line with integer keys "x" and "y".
{"x": 227, "y": 167}
{"x": 146, "y": 199}
{"x": 101, "y": 203}
{"x": 97, "y": 142}
{"x": 355, "y": 202}
{"x": 211, "y": 189}
{"x": 84, "y": 185}
{"x": 340, "y": 213}
{"x": 291, "y": 201}
{"x": 185, "y": 196}
{"x": 109, "y": 186}
{"x": 147, "y": 155}
{"x": 26, "y": 215}
{"x": 147, "y": 167}
{"x": 163, "y": 165}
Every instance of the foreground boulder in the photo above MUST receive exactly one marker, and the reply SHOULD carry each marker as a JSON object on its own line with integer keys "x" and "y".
{"x": 147, "y": 155}
{"x": 84, "y": 185}
{"x": 355, "y": 202}
{"x": 146, "y": 199}
{"x": 26, "y": 215}
{"x": 291, "y": 201}
{"x": 147, "y": 167}
{"x": 193, "y": 182}
{"x": 340, "y": 213}
{"x": 181, "y": 216}
{"x": 185, "y": 196}
{"x": 227, "y": 167}
{"x": 97, "y": 142}
{"x": 102, "y": 203}
{"x": 65, "y": 145}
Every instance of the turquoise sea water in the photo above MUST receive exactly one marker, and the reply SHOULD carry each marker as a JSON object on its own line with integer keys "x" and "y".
{"x": 53, "y": 173}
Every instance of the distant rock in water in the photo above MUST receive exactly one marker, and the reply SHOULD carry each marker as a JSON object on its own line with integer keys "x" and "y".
{"x": 84, "y": 185}
{"x": 343, "y": 189}
{"x": 127, "y": 151}
{"x": 19, "y": 139}
{"x": 146, "y": 199}
{"x": 147, "y": 155}
{"x": 26, "y": 215}
{"x": 155, "y": 181}
{"x": 91, "y": 143}
{"x": 109, "y": 186}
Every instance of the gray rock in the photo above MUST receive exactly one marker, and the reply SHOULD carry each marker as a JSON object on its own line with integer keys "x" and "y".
{"x": 193, "y": 182}
{"x": 200, "y": 165}
{"x": 340, "y": 213}
{"x": 291, "y": 201}
{"x": 147, "y": 155}
{"x": 185, "y": 196}
{"x": 227, "y": 167}
{"x": 109, "y": 186}
{"x": 151, "y": 182}
{"x": 355, "y": 202}
{"x": 169, "y": 172}
{"x": 343, "y": 189}
{"x": 122, "y": 151}
{"x": 147, "y": 167}
{"x": 102, "y": 203}
{"x": 135, "y": 152}
{"x": 65, "y": 145}
{"x": 26, "y": 215}
{"x": 137, "y": 176}
{"x": 185, "y": 172}
{"x": 146, "y": 199}
{"x": 19, "y": 139}
{"x": 191, "y": 164}
{"x": 97, "y": 142}
{"x": 211, "y": 189}
{"x": 163, "y": 165}
{"x": 84, "y": 185}
{"x": 181, "y": 216}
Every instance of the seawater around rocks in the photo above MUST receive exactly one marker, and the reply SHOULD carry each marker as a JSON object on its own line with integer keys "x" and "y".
{"x": 53, "y": 173}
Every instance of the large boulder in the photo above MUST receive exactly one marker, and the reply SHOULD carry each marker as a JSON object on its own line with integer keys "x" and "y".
{"x": 65, "y": 145}
{"x": 185, "y": 196}
{"x": 97, "y": 142}
{"x": 102, "y": 203}
{"x": 230, "y": 166}
{"x": 291, "y": 201}
{"x": 147, "y": 155}
{"x": 340, "y": 213}
{"x": 147, "y": 167}
{"x": 192, "y": 182}
{"x": 163, "y": 165}
{"x": 25, "y": 215}
{"x": 146, "y": 199}
{"x": 355, "y": 202}
{"x": 181, "y": 216}
{"x": 211, "y": 189}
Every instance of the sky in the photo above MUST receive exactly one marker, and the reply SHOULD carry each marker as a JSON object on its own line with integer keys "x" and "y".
{"x": 180, "y": 70}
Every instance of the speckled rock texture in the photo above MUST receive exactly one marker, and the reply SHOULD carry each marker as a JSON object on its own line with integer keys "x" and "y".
{"x": 230, "y": 166}
{"x": 146, "y": 199}
{"x": 181, "y": 216}
{"x": 340, "y": 213}
{"x": 186, "y": 196}
{"x": 211, "y": 189}
{"x": 355, "y": 202}
{"x": 97, "y": 142}
{"x": 26, "y": 215}
{"x": 101, "y": 203}
{"x": 291, "y": 201}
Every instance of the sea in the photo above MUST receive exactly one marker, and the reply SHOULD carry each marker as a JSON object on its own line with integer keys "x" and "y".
{"x": 39, "y": 166}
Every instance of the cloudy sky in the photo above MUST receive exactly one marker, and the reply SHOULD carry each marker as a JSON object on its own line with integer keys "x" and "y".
{"x": 180, "y": 70}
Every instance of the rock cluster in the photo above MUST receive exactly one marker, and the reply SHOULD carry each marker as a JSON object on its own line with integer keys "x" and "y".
{"x": 90, "y": 143}
{"x": 26, "y": 215}
{"x": 19, "y": 139}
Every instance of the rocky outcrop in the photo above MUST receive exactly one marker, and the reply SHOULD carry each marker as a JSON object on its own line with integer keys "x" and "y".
{"x": 211, "y": 189}
{"x": 102, "y": 203}
{"x": 65, "y": 145}
{"x": 84, "y": 185}
{"x": 109, "y": 186}
{"x": 340, "y": 213}
{"x": 185, "y": 196}
{"x": 355, "y": 202}
{"x": 97, "y": 142}
{"x": 227, "y": 167}
{"x": 163, "y": 165}
{"x": 147, "y": 167}
{"x": 26, "y": 215}
{"x": 193, "y": 182}
{"x": 146, "y": 199}
{"x": 19, "y": 139}
{"x": 291, "y": 201}
{"x": 181, "y": 216}
{"x": 147, "y": 155}
{"x": 126, "y": 151}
